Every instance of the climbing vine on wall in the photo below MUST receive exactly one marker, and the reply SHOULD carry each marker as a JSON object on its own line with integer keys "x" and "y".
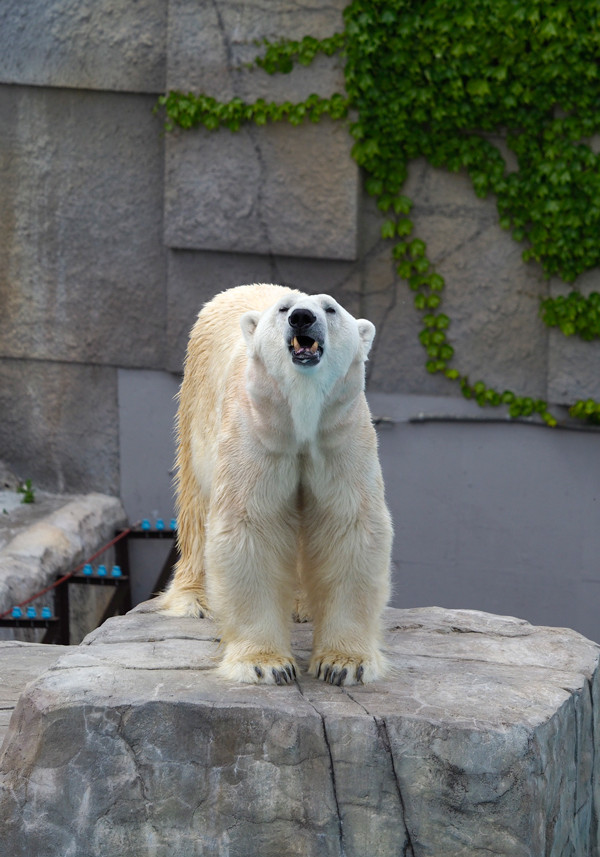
{"x": 434, "y": 79}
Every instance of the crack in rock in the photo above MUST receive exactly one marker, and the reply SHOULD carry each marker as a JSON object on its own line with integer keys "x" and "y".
{"x": 331, "y": 769}
{"x": 408, "y": 850}
{"x": 333, "y": 785}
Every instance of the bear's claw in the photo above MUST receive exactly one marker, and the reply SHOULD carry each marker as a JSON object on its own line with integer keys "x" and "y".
{"x": 281, "y": 675}
{"x": 332, "y": 675}
{"x": 335, "y": 675}
{"x": 260, "y": 668}
{"x": 341, "y": 669}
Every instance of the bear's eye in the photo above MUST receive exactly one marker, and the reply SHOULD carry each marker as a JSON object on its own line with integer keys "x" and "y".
{"x": 284, "y": 309}
{"x": 330, "y": 309}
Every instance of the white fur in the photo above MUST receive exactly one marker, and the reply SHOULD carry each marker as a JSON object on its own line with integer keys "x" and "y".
{"x": 279, "y": 486}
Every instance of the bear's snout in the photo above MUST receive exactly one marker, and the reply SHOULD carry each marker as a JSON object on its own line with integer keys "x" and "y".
{"x": 301, "y": 318}
{"x": 306, "y": 336}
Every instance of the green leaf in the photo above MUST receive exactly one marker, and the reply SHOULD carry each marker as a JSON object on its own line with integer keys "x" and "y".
{"x": 417, "y": 248}
{"x": 478, "y": 88}
{"x": 405, "y": 227}
{"x": 404, "y": 270}
{"x": 402, "y": 205}
{"x": 374, "y": 187}
{"x": 515, "y": 409}
{"x": 388, "y": 229}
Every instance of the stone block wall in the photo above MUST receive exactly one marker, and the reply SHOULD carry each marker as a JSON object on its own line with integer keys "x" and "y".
{"x": 82, "y": 260}
{"x": 113, "y": 233}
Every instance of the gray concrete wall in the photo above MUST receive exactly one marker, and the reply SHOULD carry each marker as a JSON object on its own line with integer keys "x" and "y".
{"x": 491, "y": 516}
{"x": 113, "y": 234}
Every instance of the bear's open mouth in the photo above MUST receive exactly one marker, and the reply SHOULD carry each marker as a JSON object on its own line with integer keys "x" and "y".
{"x": 305, "y": 350}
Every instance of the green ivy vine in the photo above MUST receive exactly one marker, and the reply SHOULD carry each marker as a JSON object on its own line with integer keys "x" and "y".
{"x": 434, "y": 79}
{"x": 574, "y": 315}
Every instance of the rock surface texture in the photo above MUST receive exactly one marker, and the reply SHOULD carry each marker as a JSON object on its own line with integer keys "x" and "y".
{"x": 21, "y": 663}
{"x": 482, "y": 742}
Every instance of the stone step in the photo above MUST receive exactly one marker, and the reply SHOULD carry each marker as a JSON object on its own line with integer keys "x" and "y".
{"x": 484, "y": 741}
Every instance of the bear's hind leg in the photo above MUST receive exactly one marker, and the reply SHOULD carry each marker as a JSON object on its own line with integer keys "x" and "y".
{"x": 186, "y": 593}
{"x": 182, "y": 601}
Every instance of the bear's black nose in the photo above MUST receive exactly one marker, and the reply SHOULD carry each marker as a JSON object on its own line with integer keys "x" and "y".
{"x": 301, "y": 318}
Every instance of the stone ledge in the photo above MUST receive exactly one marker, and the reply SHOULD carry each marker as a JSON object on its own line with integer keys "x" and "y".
{"x": 482, "y": 742}
{"x": 40, "y": 548}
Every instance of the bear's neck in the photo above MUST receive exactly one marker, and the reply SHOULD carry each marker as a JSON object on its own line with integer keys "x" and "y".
{"x": 302, "y": 409}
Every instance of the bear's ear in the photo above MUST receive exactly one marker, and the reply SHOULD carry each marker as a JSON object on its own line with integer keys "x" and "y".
{"x": 248, "y": 324}
{"x": 366, "y": 331}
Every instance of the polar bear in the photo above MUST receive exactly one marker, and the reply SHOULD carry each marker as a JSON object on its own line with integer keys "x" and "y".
{"x": 279, "y": 487}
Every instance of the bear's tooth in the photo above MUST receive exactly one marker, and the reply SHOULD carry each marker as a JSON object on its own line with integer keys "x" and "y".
{"x": 296, "y": 344}
{"x": 314, "y": 346}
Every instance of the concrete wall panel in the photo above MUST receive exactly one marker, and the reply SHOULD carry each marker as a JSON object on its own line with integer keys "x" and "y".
{"x": 492, "y": 297}
{"x": 59, "y": 424}
{"x": 486, "y": 517}
{"x": 81, "y": 256}
{"x": 278, "y": 189}
{"x": 84, "y": 44}
{"x": 195, "y": 277}
{"x": 211, "y": 43}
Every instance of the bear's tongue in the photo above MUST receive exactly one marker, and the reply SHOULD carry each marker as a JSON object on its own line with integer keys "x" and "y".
{"x": 304, "y": 345}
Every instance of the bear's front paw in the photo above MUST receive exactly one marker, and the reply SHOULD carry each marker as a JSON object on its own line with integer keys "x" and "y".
{"x": 342, "y": 669}
{"x": 259, "y": 669}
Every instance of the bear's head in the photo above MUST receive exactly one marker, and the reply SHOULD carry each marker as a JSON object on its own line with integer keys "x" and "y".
{"x": 309, "y": 333}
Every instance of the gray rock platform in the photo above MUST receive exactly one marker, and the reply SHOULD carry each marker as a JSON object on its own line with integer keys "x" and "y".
{"x": 484, "y": 741}
{"x": 48, "y": 538}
